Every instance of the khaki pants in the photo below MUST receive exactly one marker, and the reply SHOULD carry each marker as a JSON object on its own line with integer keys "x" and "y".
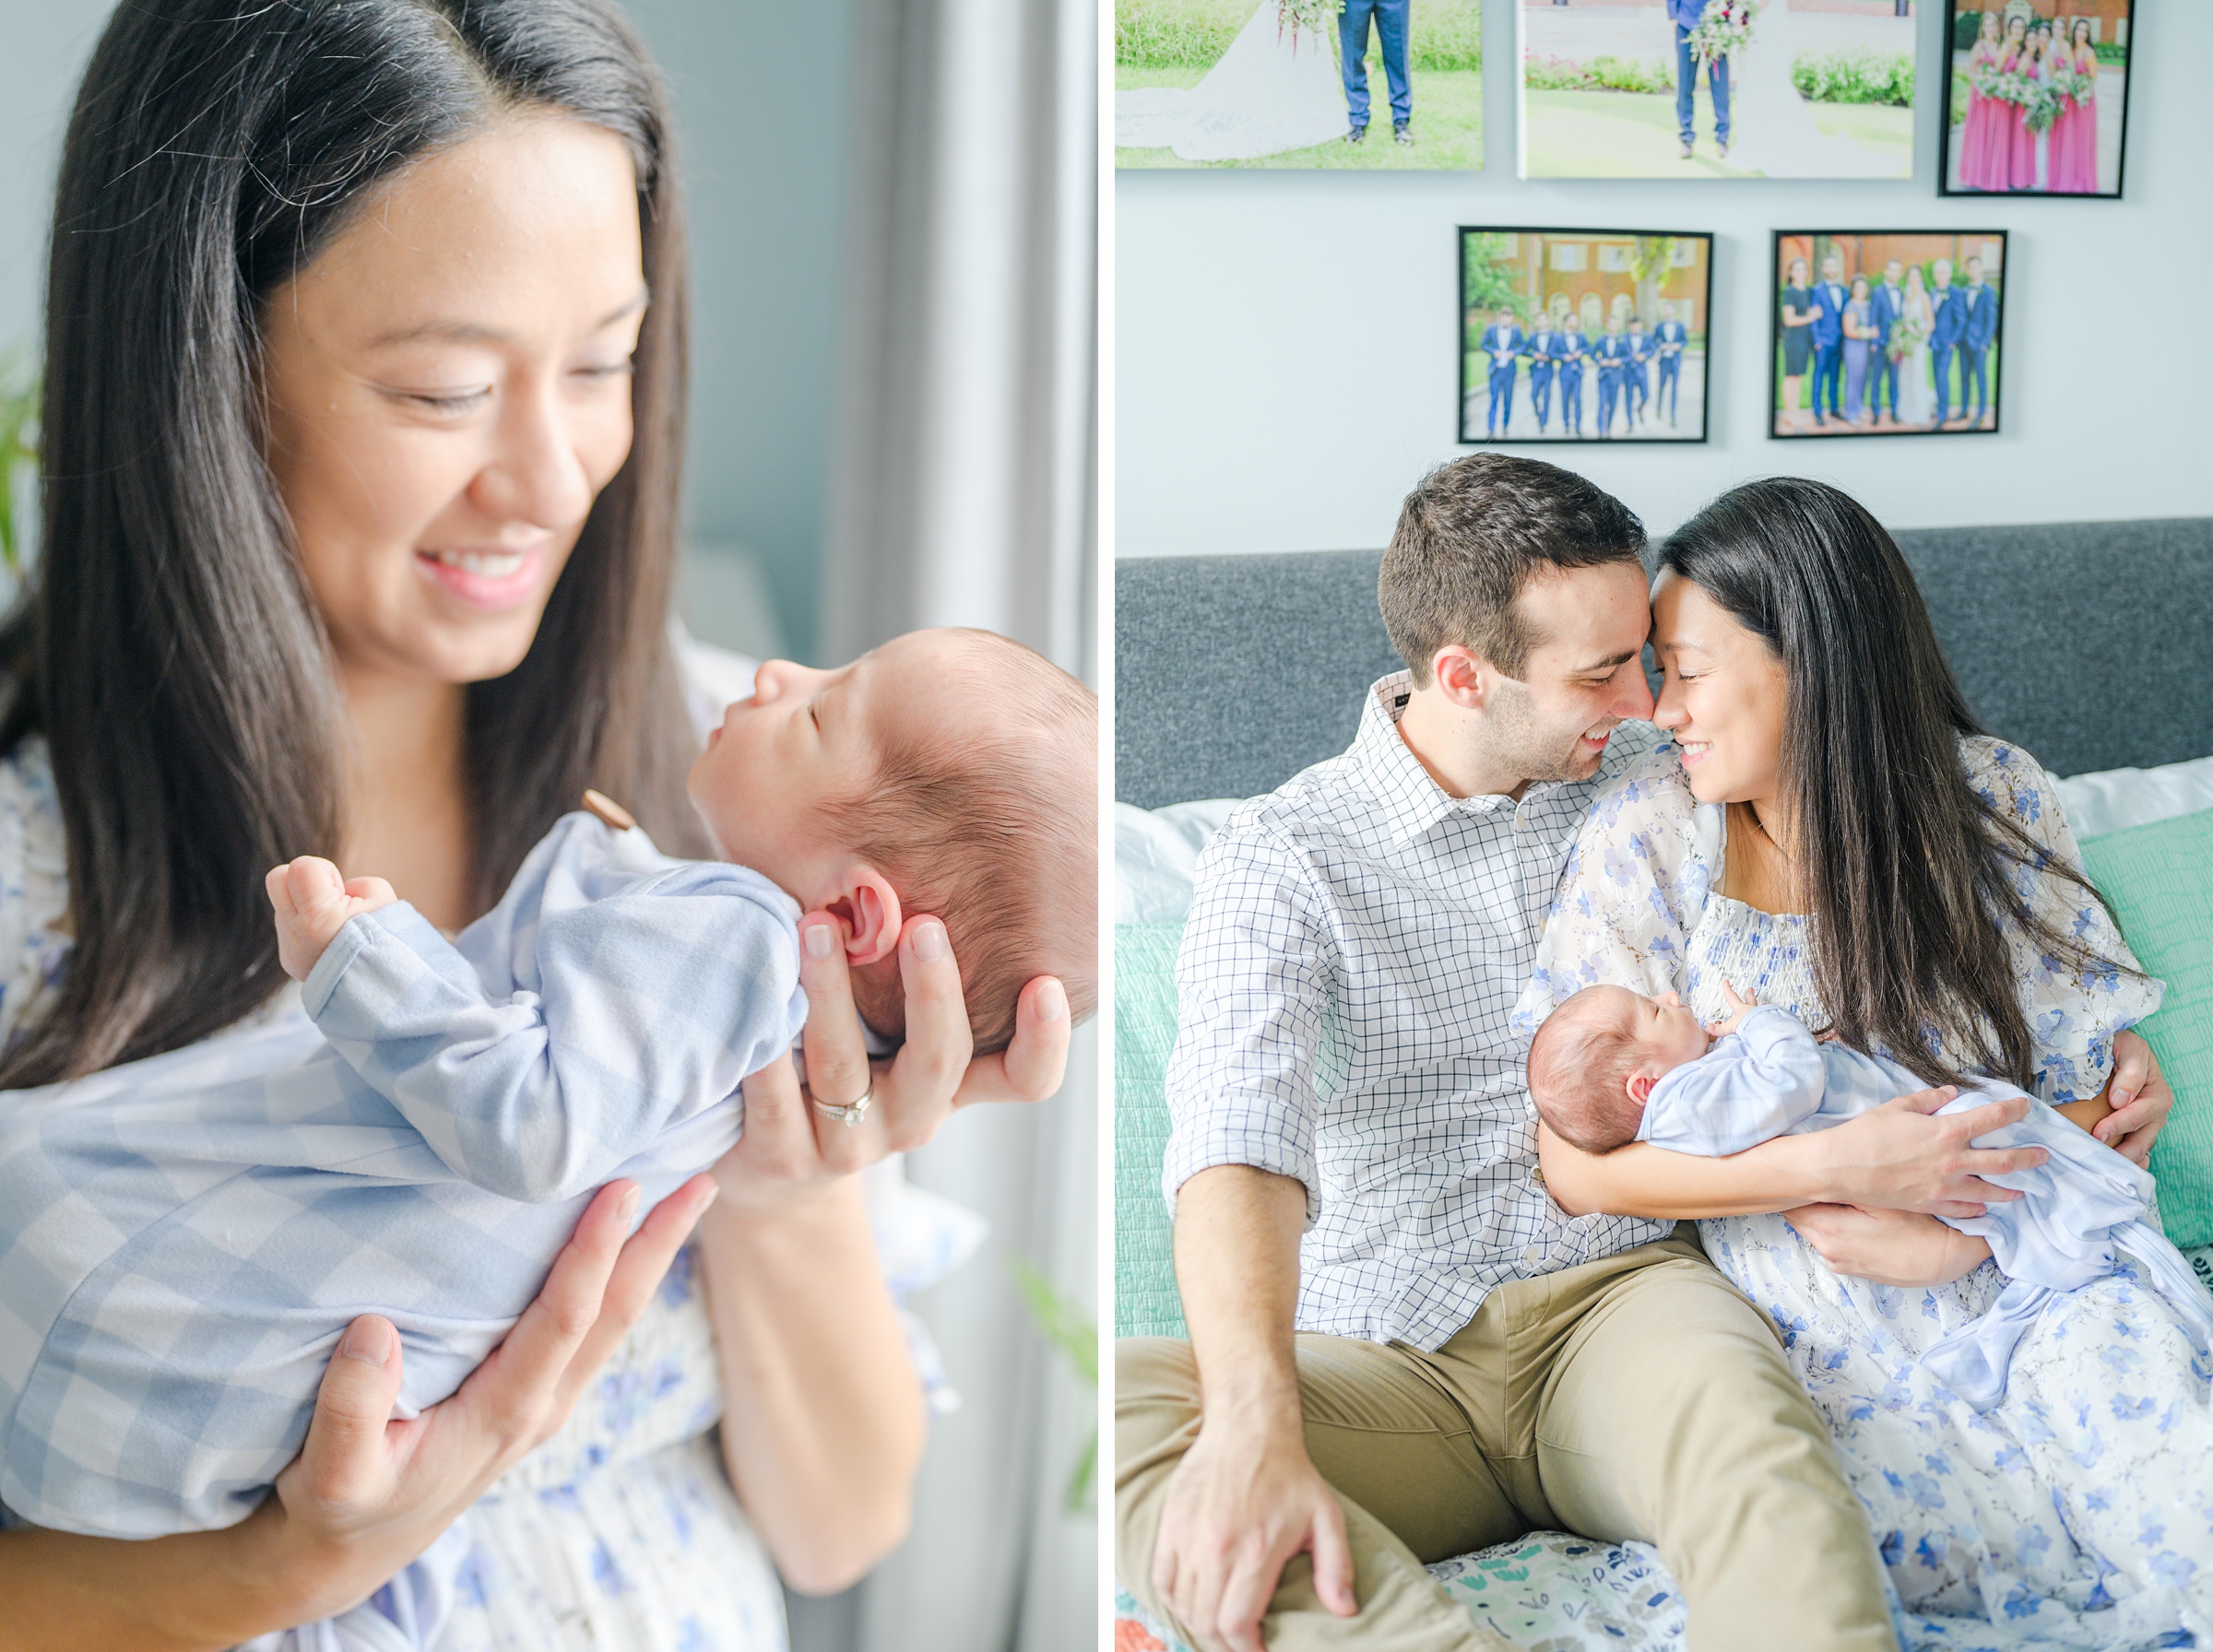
{"x": 1637, "y": 1396}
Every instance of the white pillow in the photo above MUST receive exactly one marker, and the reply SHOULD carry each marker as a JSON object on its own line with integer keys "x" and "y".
{"x": 2115, "y": 799}
{"x": 1156, "y": 857}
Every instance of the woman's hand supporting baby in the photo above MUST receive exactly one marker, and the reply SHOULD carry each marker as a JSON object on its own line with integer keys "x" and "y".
{"x": 314, "y": 903}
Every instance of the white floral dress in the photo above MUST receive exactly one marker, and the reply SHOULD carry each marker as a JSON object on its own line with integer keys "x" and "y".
{"x": 2080, "y": 1511}
{"x": 620, "y": 1534}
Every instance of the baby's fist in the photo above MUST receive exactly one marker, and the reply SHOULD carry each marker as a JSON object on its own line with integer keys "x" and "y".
{"x": 312, "y": 905}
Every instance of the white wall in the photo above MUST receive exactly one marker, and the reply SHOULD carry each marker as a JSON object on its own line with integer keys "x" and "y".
{"x": 1285, "y": 341}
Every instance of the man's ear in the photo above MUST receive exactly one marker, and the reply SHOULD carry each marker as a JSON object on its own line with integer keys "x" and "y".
{"x": 1462, "y": 675}
{"x": 1639, "y": 1086}
{"x": 869, "y": 907}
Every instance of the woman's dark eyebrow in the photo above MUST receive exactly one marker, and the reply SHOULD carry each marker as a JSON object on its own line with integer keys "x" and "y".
{"x": 465, "y": 331}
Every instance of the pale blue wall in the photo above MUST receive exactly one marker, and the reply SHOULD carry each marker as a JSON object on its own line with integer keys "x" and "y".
{"x": 761, "y": 96}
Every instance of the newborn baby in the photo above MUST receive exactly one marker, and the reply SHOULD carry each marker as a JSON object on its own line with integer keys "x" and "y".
{"x": 1610, "y": 1067}
{"x": 187, "y": 1237}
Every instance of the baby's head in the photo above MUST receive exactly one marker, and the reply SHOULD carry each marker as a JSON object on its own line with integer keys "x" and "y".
{"x": 1596, "y": 1057}
{"x": 951, "y": 772}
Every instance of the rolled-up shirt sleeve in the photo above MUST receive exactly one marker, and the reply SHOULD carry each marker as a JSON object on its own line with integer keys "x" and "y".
{"x": 1252, "y": 981}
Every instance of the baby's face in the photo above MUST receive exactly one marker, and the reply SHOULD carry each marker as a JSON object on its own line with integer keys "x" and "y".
{"x": 807, "y": 737}
{"x": 1664, "y": 1032}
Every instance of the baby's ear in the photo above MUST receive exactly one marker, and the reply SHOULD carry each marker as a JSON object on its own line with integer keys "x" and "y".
{"x": 1640, "y": 1086}
{"x": 868, "y": 906}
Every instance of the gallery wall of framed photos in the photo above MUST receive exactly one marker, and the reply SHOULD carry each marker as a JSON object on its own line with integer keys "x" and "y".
{"x": 1283, "y": 375}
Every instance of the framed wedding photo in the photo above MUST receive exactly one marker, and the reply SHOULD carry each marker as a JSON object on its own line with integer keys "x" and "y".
{"x": 2037, "y": 99}
{"x": 1343, "y": 85}
{"x": 1716, "y": 89}
{"x": 1888, "y": 332}
{"x": 1583, "y": 335}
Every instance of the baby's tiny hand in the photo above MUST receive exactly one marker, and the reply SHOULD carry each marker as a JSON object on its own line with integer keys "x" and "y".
{"x": 312, "y": 905}
{"x": 1738, "y": 1008}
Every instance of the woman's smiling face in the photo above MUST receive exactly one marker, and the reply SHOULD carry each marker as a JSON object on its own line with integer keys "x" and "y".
{"x": 1724, "y": 698}
{"x": 448, "y": 389}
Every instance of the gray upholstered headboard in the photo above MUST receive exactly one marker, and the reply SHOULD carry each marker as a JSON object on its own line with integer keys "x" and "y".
{"x": 2090, "y": 643}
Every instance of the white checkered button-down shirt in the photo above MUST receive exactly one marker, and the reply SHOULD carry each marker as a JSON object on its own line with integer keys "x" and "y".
{"x": 1357, "y": 944}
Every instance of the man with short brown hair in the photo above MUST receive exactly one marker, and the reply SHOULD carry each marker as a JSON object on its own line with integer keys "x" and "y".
{"x": 1443, "y": 1358}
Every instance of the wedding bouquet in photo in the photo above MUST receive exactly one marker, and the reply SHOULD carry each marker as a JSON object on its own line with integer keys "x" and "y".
{"x": 1906, "y": 332}
{"x": 1725, "y": 29}
{"x": 2041, "y": 108}
{"x": 2069, "y": 85}
{"x": 1294, "y": 17}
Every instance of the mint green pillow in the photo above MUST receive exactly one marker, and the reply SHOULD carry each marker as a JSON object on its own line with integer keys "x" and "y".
{"x": 1146, "y": 1304}
{"x": 2159, "y": 881}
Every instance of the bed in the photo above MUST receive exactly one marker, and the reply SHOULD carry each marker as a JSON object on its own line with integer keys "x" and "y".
{"x": 2084, "y": 643}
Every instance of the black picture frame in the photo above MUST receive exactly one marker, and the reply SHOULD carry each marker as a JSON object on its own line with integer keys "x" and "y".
{"x": 1995, "y": 389}
{"x": 1461, "y": 419}
{"x": 1944, "y": 127}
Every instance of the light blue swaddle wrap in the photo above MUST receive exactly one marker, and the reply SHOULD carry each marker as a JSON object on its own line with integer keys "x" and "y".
{"x": 1771, "y": 1077}
{"x": 183, "y": 1239}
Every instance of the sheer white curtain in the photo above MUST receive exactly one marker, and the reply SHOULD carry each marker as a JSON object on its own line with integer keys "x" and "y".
{"x": 962, "y": 493}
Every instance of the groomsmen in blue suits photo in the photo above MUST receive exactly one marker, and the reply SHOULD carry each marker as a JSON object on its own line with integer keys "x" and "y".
{"x": 1685, "y": 15}
{"x": 1978, "y": 329}
{"x": 1889, "y": 303}
{"x": 1571, "y": 349}
{"x": 1541, "y": 368}
{"x": 1639, "y": 381}
{"x": 1669, "y": 340}
{"x": 1503, "y": 342}
{"x": 1829, "y": 298}
{"x": 1391, "y": 21}
{"x": 1945, "y": 333}
{"x": 1613, "y": 357}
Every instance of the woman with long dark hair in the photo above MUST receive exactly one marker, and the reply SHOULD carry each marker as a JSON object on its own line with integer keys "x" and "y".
{"x": 365, "y": 400}
{"x": 1830, "y": 831}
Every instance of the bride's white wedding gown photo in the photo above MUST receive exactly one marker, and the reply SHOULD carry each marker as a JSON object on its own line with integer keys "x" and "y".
{"x": 1275, "y": 88}
{"x": 1773, "y": 129}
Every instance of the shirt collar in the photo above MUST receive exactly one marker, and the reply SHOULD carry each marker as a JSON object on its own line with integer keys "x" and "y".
{"x": 1412, "y": 802}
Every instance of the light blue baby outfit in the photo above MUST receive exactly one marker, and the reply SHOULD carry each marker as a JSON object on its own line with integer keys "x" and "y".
{"x": 183, "y": 1239}
{"x": 1771, "y": 1077}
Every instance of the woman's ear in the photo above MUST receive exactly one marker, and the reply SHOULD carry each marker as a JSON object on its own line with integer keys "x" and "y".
{"x": 869, "y": 907}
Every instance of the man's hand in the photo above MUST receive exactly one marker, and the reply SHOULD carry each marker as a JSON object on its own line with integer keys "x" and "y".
{"x": 1246, "y": 1497}
{"x": 1898, "y": 1158}
{"x": 312, "y": 905}
{"x": 2140, "y": 1098}
{"x": 1239, "y": 1504}
{"x": 1891, "y": 1247}
{"x": 1738, "y": 1009}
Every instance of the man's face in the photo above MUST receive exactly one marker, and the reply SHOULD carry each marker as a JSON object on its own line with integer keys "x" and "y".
{"x": 1583, "y": 676}
{"x": 1832, "y": 269}
{"x": 1892, "y": 270}
{"x": 1506, "y": 318}
{"x": 1667, "y": 311}
{"x": 1612, "y": 326}
{"x": 1974, "y": 269}
{"x": 1943, "y": 270}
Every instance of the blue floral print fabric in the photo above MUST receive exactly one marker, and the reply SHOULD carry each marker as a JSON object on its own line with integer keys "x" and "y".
{"x": 2077, "y": 1512}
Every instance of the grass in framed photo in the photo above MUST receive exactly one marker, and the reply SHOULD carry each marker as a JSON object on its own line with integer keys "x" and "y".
{"x": 2036, "y": 101}
{"x": 1888, "y": 333}
{"x": 1717, "y": 89}
{"x": 1374, "y": 84}
{"x": 1583, "y": 335}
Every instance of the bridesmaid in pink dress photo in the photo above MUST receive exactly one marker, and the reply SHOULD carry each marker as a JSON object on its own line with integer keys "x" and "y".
{"x": 1983, "y": 141}
{"x": 2074, "y": 135}
{"x": 2022, "y": 57}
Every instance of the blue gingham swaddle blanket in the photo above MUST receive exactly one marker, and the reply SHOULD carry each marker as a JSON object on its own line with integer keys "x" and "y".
{"x": 183, "y": 1239}
{"x": 1770, "y": 1078}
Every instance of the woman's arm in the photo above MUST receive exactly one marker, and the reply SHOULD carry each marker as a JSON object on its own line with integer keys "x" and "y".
{"x": 366, "y": 1494}
{"x": 822, "y": 1419}
{"x": 1897, "y": 1157}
